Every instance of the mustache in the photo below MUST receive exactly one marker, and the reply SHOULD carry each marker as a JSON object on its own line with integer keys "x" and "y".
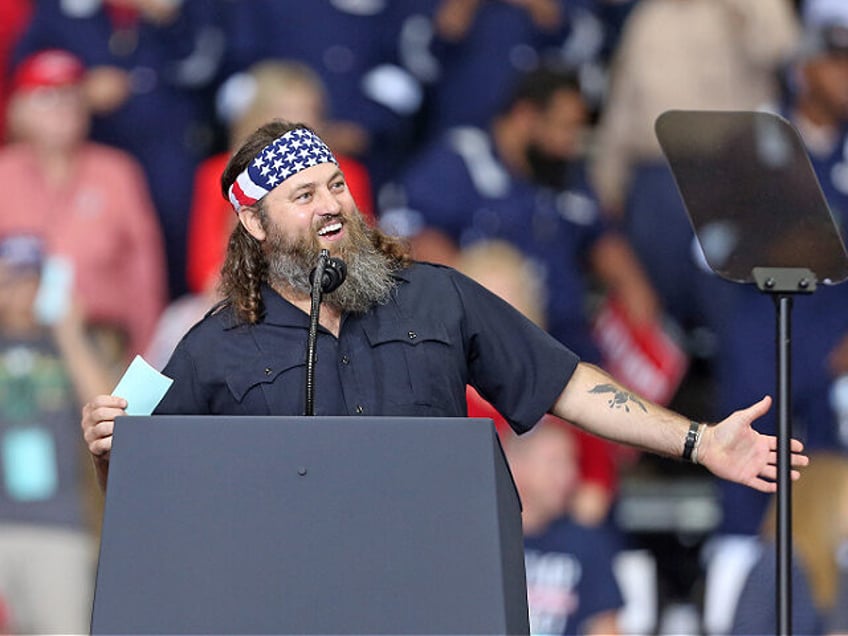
{"x": 328, "y": 219}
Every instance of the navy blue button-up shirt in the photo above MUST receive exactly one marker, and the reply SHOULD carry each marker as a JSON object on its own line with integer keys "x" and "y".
{"x": 412, "y": 356}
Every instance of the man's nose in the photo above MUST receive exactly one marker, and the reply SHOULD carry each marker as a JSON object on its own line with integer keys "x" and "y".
{"x": 328, "y": 203}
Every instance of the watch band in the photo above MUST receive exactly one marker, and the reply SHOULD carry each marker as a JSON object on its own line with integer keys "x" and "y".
{"x": 692, "y": 436}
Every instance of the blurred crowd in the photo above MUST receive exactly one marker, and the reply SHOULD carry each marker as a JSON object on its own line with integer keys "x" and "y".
{"x": 512, "y": 139}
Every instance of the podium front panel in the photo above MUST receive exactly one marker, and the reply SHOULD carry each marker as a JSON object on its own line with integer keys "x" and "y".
{"x": 309, "y": 525}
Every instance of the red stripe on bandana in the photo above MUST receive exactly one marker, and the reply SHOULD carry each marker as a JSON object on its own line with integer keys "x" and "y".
{"x": 241, "y": 197}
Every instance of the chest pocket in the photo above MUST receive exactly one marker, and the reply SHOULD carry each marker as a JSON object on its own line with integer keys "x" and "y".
{"x": 417, "y": 362}
{"x": 279, "y": 375}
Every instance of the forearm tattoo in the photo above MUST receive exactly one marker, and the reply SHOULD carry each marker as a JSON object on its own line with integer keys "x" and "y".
{"x": 620, "y": 398}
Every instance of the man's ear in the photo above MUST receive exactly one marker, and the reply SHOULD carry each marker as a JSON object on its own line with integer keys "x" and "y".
{"x": 249, "y": 218}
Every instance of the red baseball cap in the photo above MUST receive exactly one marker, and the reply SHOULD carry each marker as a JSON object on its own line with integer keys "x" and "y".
{"x": 48, "y": 68}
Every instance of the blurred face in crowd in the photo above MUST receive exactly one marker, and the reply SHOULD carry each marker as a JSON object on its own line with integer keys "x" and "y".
{"x": 311, "y": 211}
{"x": 52, "y": 118}
{"x": 555, "y": 139}
{"x": 291, "y": 100}
{"x": 300, "y": 103}
{"x": 826, "y": 81}
{"x": 544, "y": 464}
{"x": 506, "y": 272}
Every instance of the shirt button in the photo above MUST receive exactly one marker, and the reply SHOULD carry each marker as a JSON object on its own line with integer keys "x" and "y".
{"x": 359, "y": 410}
{"x": 345, "y": 360}
{"x": 268, "y": 371}
{"x": 412, "y": 335}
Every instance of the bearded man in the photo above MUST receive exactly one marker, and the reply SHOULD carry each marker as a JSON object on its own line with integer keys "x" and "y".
{"x": 398, "y": 338}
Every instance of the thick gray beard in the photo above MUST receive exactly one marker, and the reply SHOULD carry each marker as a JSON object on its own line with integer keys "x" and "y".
{"x": 369, "y": 279}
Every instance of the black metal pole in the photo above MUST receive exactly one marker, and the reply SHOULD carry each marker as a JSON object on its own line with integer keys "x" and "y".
{"x": 312, "y": 337}
{"x": 784, "y": 482}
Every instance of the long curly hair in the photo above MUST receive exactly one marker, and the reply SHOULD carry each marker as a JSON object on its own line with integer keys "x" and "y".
{"x": 245, "y": 267}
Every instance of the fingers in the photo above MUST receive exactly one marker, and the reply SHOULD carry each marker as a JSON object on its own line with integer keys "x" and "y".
{"x": 767, "y": 484}
{"x": 102, "y": 408}
{"x": 800, "y": 460}
{"x": 796, "y": 457}
{"x": 763, "y": 486}
{"x": 768, "y": 475}
{"x": 769, "y": 472}
{"x": 99, "y": 438}
{"x": 98, "y": 422}
{"x": 758, "y": 409}
{"x": 795, "y": 445}
{"x": 111, "y": 401}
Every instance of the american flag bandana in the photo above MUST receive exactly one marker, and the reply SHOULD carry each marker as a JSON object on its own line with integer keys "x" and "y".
{"x": 287, "y": 155}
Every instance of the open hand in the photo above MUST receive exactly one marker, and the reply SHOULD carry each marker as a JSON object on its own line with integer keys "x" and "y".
{"x": 733, "y": 450}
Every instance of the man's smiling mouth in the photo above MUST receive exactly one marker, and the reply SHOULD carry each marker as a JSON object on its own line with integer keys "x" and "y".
{"x": 332, "y": 228}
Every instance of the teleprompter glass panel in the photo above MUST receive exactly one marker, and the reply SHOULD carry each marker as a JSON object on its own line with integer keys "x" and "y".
{"x": 751, "y": 194}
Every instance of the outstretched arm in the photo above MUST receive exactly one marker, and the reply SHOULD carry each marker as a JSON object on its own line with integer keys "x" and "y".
{"x": 731, "y": 449}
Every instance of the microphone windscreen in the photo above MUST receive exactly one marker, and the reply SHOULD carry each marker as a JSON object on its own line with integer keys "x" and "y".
{"x": 334, "y": 275}
{"x": 335, "y": 272}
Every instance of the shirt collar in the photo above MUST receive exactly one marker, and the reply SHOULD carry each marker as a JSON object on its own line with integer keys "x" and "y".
{"x": 280, "y": 312}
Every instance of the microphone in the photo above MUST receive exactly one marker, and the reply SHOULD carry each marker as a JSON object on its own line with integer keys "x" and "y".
{"x": 333, "y": 275}
{"x": 331, "y": 272}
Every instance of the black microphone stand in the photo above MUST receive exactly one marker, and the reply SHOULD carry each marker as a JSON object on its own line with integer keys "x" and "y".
{"x": 327, "y": 276}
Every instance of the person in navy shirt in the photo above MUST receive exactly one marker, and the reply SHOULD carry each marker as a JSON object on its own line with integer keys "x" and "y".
{"x": 521, "y": 180}
{"x": 292, "y": 202}
{"x": 571, "y": 587}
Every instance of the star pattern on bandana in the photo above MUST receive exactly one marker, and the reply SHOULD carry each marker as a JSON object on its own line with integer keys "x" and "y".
{"x": 287, "y": 155}
{"x": 296, "y": 150}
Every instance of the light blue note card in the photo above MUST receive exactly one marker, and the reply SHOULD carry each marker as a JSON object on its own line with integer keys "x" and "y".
{"x": 142, "y": 386}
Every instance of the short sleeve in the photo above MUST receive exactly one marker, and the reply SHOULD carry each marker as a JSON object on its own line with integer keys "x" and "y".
{"x": 513, "y": 363}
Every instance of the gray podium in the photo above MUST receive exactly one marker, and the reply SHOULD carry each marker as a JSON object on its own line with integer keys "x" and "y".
{"x": 319, "y": 525}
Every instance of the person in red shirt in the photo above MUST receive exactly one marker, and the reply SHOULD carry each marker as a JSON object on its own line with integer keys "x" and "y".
{"x": 88, "y": 202}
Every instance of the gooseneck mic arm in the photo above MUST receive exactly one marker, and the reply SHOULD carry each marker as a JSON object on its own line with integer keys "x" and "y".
{"x": 326, "y": 277}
